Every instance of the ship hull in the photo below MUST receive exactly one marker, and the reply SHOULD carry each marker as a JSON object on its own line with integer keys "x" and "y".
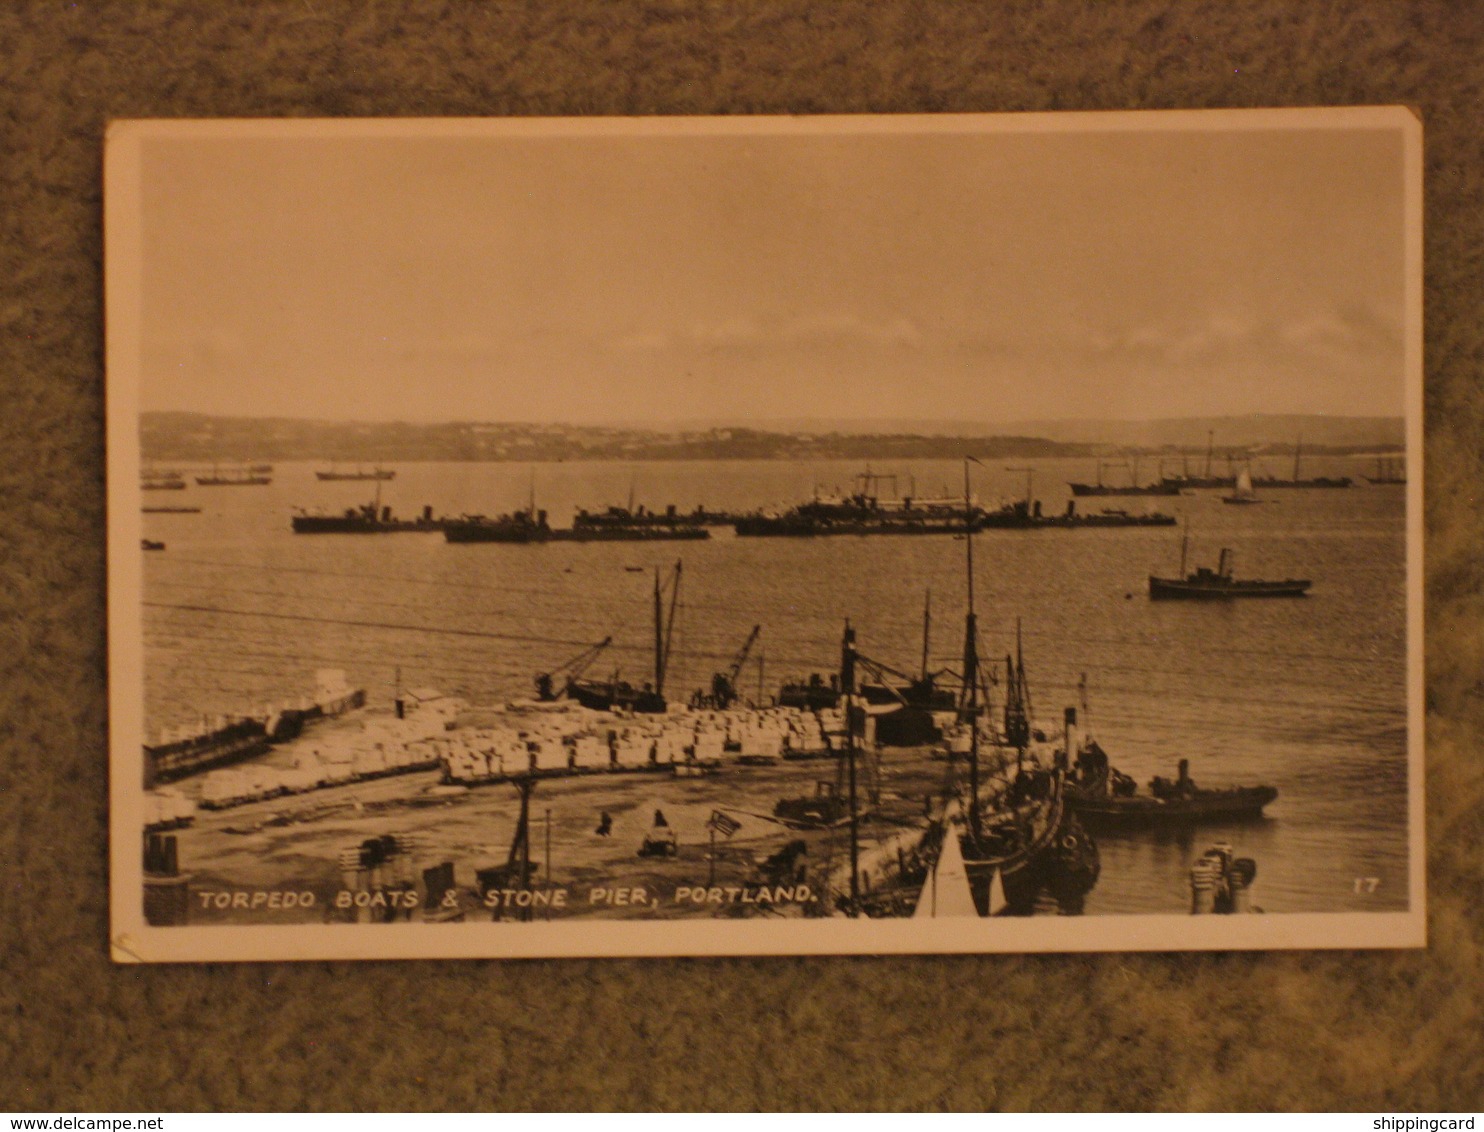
{"x": 1241, "y": 803}
{"x": 1093, "y": 489}
{"x": 518, "y": 533}
{"x": 1320, "y": 482}
{"x": 1063, "y": 865}
{"x": 762, "y": 527}
{"x": 1183, "y": 589}
{"x": 333, "y": 525}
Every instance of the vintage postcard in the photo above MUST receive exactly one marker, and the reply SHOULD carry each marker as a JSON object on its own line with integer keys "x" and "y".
{"x": 692, "y": 536}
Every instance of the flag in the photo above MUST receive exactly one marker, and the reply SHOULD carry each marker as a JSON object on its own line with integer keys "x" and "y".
{"x": 975, "y": 460}
{"x": 723, "y": 824}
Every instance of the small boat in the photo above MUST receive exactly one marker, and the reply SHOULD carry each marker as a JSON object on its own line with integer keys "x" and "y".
{"x": 1219, "y": 584}
{"x": 162, "y": 481}
{"x": 172, "y": 510}
{"x": 1243, "y": 492}
{"x": 150, "y": 544}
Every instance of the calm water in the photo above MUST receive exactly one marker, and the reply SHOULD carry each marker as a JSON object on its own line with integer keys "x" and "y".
{"x": 1306, "y": 695}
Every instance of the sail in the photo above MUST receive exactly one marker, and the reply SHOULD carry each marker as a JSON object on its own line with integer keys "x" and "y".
{"x": 1244, "y": 482}
{"x": 946, "y": 890}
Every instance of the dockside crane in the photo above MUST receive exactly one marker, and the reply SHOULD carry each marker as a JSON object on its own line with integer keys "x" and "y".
{"x": 723, "y": 692}
{"x": 546, "y": 689}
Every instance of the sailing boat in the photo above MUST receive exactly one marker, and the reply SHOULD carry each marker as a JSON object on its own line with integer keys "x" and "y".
{"x": 618, "y": 695}
{"x": 1243, "y": 492}
{"x": 1017, "y": 837}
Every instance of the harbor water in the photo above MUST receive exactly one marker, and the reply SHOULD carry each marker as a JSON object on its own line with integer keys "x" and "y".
{"x": 1307, "y": 695}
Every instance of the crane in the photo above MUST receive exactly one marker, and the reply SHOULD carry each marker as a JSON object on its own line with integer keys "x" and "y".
{"x": 574, "y": 668}
{"x": 724, "y": 684}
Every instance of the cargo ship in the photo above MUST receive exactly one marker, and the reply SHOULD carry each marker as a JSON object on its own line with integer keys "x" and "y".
{"x": 1161, "y": 486}
{"x": 377, "y": 473}
{"x": 247, "y": 477}
{"x": 1298, "y": 480}
{"x": 1390, "y": 470}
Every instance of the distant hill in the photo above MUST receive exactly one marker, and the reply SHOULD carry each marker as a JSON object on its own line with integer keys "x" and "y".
{"x": 1254, "y": 430}
{"x": 201, "y": 439}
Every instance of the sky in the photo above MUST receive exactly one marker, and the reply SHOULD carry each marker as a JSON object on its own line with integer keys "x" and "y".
{"x": 597, "y": 271}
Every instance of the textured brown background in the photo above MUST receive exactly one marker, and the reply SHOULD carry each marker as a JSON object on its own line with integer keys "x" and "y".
{"x": 1306, "y": 1030}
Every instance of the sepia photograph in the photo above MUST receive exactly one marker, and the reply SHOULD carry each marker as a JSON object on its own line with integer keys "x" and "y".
{"x": 765, "y": 535}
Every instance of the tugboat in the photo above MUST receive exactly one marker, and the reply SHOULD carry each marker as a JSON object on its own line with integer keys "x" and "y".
{"x": 1104, "y": 798}
{"x": 1219, "y": 584}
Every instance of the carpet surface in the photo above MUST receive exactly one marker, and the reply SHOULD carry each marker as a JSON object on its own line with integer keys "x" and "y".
{"x": 1348, "y": 1030}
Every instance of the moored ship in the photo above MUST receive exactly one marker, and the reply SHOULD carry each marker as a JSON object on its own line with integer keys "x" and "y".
{"x": 1298, "y": 481}
{"x": 377, "y": 473}
{"x": 1104, "y": 798}
{"x": 218, "y": 742}
{"x": 1161, "y": 486}
{"x": 1027, "y": 515}
{"x": 246, "y": 477}
{"x": 368, "y": 519}
{"x": 867, "y": 510}
{"x": 531, "y": 525}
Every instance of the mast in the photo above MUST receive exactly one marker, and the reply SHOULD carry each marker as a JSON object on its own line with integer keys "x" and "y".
{"x": 663, "y": 659}
{"x": 659, "y": 636}
{"x": 1210, "y": 449}
{"x": 927, "y": 624}
{"x": 971, "y": 665}
{"x": 847, "y": 686}
{"x": 1297, "y": 449}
